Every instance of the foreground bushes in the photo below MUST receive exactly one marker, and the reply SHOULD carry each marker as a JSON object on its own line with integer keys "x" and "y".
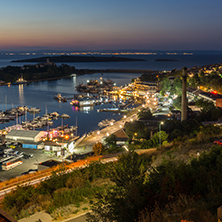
{"x": 171, "y": 192}
{"x": 60, "y": 190}
{"x": 164, "y": 191}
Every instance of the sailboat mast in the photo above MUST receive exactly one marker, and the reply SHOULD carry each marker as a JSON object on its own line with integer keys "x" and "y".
{"x": 5, "y": 102}
{"x": 76, "y": 126}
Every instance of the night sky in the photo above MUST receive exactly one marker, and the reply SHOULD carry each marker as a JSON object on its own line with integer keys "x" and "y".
{"x": 111, "y": 24}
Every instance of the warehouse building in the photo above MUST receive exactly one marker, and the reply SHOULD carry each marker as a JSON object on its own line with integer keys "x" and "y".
{"x": 25, "y": 135}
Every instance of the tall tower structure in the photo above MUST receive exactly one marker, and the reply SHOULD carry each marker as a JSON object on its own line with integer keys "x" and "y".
{"x": 184, "y": 95}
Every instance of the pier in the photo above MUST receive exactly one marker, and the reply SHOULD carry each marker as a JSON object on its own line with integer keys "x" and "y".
{"x": 114, "y": 110}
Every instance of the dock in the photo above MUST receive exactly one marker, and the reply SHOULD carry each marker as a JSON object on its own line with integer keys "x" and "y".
{"x": 114, "y": 110}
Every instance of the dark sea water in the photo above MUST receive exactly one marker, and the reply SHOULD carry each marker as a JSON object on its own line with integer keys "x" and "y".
{"x": 197, "y": 59}
{"x": 40, "y": 94}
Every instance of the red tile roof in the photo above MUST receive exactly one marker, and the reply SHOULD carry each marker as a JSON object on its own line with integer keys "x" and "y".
{"x": 121, "y": 134}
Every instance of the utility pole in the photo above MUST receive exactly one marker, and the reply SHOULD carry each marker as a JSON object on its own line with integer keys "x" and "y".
{"x": 184, "y": 95}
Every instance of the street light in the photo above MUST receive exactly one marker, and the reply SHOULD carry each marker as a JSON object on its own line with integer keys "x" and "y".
{"x": 198, "y": 154}
{"x": 126, "y": 148}
{"x": 161, "y": 123}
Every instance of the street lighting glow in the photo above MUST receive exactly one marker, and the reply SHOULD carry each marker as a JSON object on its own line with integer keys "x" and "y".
{"x": 107, "y": 134}
{"x": 98, "y": 132}
{"x": 125, "y": 147}
{"x": 124, "y": 116}
{"x": 161, "y": 123}
{"x": 131, "y": 120}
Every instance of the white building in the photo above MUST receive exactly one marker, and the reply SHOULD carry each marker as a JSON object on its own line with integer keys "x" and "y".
{"x": 25, "y": 135}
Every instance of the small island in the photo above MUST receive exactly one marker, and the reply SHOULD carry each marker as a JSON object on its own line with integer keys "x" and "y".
{"x": 41, "y": 71}
{"x": 48, "y": 70}
{"x": 66, "y": 59}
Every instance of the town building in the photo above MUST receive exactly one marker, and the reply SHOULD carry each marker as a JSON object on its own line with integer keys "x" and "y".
{"x": 25, "y": 135}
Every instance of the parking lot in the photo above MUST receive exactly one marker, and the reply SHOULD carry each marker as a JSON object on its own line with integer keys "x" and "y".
{"x": 29, "y": 164}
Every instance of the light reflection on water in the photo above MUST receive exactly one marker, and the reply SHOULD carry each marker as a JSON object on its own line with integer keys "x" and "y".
{"x": 40, "y": 94}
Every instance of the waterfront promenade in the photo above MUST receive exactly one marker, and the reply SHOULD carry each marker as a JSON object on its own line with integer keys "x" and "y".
{"x": 86, "y": 145}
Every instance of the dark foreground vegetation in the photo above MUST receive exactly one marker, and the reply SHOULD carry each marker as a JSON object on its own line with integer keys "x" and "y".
{"x": 131, "y": 190}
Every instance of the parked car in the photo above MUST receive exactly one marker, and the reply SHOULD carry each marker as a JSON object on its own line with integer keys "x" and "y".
{"x": 218, "y": 142}
{"x": 1, "y": 152}
{"x": 7, "y": 150}
{"x": 27, "y": 156}
{"x": 9, "y": 153}
{"x": 21, "y": 154}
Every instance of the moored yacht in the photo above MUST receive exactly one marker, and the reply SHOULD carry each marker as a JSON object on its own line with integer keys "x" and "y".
{"x": 60, "y": 98}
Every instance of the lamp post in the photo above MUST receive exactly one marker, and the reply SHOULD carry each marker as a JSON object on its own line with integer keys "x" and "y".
{"x": 161, "y": 123}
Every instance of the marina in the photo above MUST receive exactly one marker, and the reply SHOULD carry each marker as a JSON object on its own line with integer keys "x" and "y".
{"x": 13, "y": 113}
{"x": 60, "y": 98}
{"x": 96, "y": 86}
{"x": 35, "y": 96}
{"x": 114, "y": 110}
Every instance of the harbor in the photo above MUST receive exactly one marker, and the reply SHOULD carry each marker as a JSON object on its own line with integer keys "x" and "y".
{"x": 28, "y": 115}
{"x": 52, "y": 135}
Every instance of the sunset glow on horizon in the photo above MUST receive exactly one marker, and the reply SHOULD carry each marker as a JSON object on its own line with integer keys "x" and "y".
{"x": 97, "y": 25}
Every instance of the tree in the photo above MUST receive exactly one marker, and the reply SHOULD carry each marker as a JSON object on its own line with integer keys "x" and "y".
{"x": 111, "y": 140}
{"x": 165, "y": 86}
{"x": 123, "y": 201}
{"x": 156, "y": 136}
{"x": 138, "y": 128}
{"x": 194, "y": 81}
{"x": 208, "y": 112}
{"x": 177, "y": 102}
{"x": 98, "y": 148}
{"x": 144, "y": 113}
{"x": 146, "y": 144}
{"x": 177, "y": 86}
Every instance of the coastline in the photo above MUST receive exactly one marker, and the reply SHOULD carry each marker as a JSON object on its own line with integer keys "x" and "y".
{"x": 67, "y": 59}
{"x": 91, "y": 71}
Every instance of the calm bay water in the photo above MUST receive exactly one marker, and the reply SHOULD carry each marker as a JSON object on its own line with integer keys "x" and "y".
{"x": 40, "y": 94}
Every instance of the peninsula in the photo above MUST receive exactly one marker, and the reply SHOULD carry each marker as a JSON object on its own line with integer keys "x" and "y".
{"x": 66, "y": 58}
